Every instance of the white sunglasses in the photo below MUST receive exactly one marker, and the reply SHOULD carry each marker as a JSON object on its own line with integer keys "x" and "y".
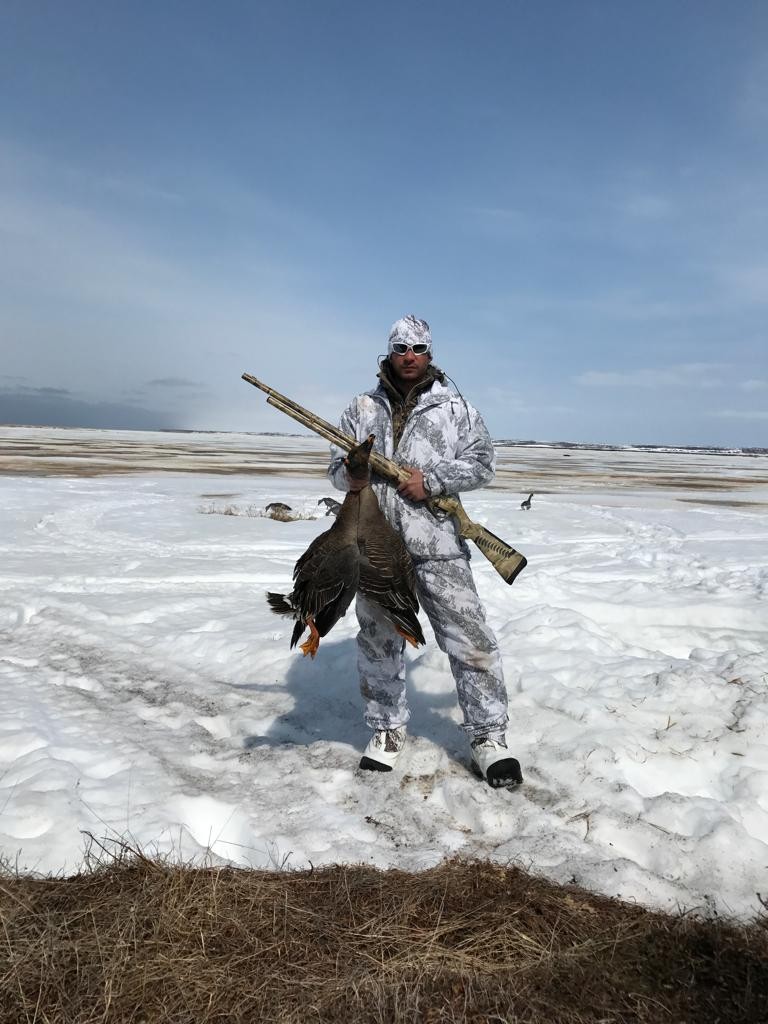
{"x": 419, "y": 349}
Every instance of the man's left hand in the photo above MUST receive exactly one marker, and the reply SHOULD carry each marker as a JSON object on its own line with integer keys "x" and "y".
{"x": 413, "y": 488}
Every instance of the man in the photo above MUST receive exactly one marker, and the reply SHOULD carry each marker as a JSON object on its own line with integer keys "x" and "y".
{"x": 423, "y": 425}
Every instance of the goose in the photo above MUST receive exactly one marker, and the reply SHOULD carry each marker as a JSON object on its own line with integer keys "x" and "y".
{"x": 332, "y": 507}
{"x": 359, "y": 554}
{"x": 527, "y": 503}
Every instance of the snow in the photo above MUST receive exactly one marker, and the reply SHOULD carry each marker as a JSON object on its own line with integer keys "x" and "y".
{"x": 147, "y": 691}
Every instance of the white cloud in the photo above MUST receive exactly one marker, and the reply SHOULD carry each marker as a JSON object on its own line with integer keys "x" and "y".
{"x": 742, "y": 414}
{"x": 688, "y": 375}
{"x": 646, "y": 207}
{"x": 99, "y": 298}
{"x": 507, "y": 222}
{"x": 747, "y": 283}
{"x": 752, "y": 102}
{"x": 60, "y": 249}
{"x": 624, "y": 305}
{"x": 513, "y": 403}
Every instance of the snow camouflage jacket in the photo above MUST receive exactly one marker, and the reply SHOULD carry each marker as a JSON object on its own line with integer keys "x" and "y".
{"x": 444, "y": 437}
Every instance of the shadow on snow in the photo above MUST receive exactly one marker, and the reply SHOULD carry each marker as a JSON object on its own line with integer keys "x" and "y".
{"x": 328, "y": 707}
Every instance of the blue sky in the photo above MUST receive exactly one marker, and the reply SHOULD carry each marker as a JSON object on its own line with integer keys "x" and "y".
{"x": 573, "y": 194}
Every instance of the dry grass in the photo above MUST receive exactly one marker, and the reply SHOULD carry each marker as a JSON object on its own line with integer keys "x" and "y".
{"x": 136, "y": 940}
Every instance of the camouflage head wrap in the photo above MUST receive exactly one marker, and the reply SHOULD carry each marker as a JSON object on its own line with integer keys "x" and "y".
{"x": 410, "y": 331}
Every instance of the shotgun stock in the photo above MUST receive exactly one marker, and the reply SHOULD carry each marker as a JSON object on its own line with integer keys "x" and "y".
{"x": 507, "y": 562}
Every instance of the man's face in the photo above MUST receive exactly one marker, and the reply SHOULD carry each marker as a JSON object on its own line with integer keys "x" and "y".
{"x": 409, "y": 368}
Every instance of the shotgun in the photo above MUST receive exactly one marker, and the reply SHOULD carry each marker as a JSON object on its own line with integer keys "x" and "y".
{"x": 507, "y": 562}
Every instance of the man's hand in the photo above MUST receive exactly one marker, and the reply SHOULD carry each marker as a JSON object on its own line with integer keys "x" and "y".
{"x": 413, "y": 488}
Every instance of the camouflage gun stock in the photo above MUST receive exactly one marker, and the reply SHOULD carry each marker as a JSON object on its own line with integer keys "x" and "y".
{"x": 507, "y": 562}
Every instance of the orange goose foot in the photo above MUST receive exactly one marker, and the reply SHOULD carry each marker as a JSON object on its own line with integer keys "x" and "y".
{"x": 310, "y": 646}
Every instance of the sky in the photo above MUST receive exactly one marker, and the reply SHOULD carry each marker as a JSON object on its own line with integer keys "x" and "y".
{"x": 574, "y": 195}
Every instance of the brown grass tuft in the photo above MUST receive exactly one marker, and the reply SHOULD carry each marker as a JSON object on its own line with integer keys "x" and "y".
{"x": 141, "y": 941}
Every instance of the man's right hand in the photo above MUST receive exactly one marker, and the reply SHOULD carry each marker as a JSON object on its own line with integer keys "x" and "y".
{"x": 414, "y": 488}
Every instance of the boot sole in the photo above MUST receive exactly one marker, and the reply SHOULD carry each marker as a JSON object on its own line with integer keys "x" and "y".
{"x": 505, "y": 774}
{"x": 368, "y": 764}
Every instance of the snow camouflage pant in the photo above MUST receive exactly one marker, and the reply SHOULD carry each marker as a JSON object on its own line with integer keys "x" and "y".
{"x": 447, "y": 594}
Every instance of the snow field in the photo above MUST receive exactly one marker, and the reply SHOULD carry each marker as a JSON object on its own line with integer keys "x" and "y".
{"x": 148, "y": 692}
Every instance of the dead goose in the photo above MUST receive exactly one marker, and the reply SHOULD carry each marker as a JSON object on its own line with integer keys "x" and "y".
{"x": 361, "y": 553}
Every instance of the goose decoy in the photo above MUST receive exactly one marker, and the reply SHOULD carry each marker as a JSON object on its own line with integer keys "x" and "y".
{"x": 332, "y": 507}
{"x": 361, "y": 553}
{"x": 527, "y": 503}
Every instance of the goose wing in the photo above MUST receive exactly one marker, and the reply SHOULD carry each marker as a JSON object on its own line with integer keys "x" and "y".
{"x": 326, "y": 579}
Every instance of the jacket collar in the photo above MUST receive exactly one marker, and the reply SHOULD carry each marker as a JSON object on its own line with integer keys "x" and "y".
{"x": 433, "y": 383}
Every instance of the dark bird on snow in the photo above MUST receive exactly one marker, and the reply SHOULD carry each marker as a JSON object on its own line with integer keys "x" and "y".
{"x": 361, "y": 553}
{"x": 332, "y": 507}
{"x": 527, "y": 503}
{"x": 277, "y": 506}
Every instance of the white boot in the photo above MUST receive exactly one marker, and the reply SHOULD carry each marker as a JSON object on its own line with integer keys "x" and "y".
{"x": 383, "y": 750}
{"x": 491, "y": 761}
